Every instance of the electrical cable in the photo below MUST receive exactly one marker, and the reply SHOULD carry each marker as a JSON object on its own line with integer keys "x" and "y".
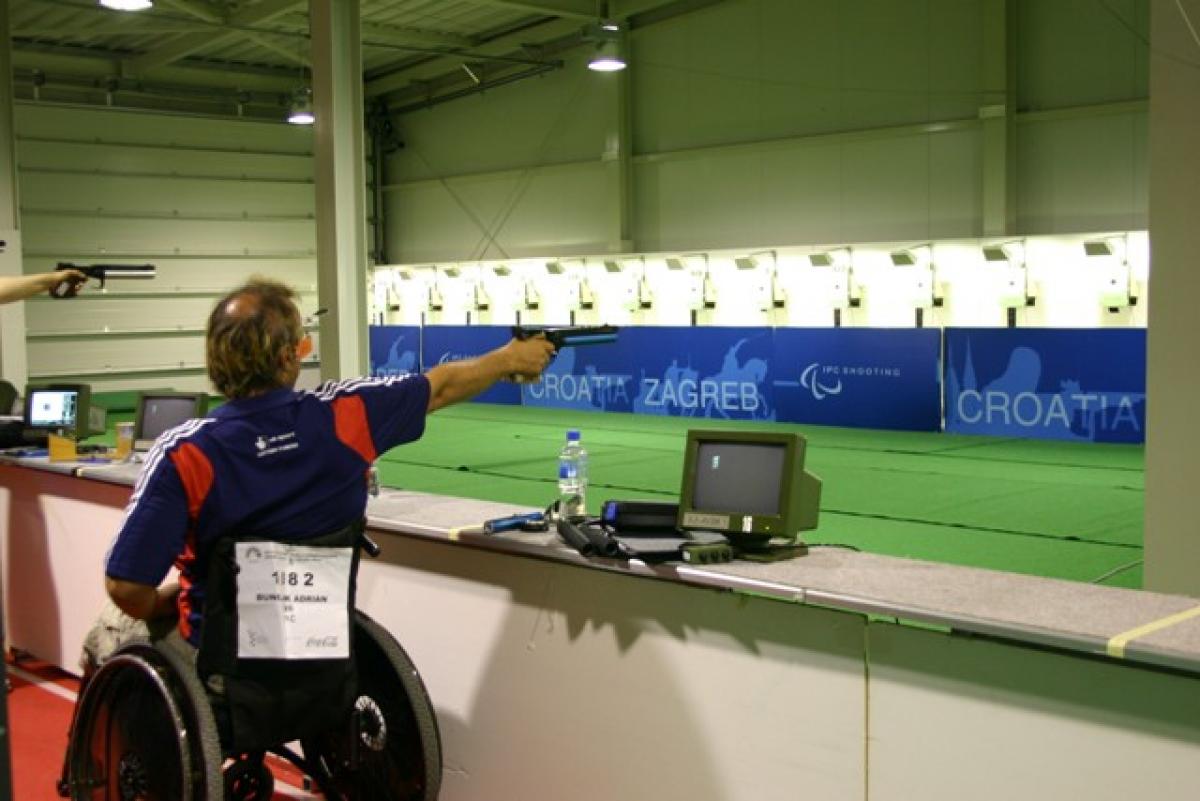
{"x": 1115, "y": 571}
{"x": 526, "y": 179}
{"x": 1188, "y": 21}
{"x": 1144, "y": 40}
{"x": 490, "y": 234}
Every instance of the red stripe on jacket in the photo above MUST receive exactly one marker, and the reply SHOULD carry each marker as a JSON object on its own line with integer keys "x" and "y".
{"x": 350, "y": 424}
{"x": 196, "y": 474}
{"x": 184, "y": 600}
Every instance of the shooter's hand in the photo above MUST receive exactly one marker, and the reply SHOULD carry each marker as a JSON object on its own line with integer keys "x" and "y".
{"x": 528, "y": 357}
{"x": 64, "y": 283}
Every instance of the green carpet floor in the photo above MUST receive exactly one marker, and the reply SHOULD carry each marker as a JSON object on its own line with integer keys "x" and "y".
{"x": 1053, "y": 509}
{"x": 1060, "y": 510}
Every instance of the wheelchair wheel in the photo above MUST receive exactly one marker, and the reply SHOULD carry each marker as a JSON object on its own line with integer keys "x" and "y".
{"x": 392, "y": 750}
{"x": 141, "y": 735}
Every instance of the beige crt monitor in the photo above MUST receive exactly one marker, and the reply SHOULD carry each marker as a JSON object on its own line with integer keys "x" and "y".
{"x": 750, "y": 486}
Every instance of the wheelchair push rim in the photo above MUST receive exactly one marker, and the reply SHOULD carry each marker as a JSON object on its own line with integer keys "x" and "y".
{"x": 391, "y": 748}
{"x": 133, "y": 740}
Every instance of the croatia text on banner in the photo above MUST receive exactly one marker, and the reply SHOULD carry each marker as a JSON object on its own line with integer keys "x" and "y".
{"x": 864, "y": 377}
{"x": 394, "y": 349}
{"x": 1071, "y": 384}
{"x": 448, "y": 343}
{"x": 722, "y": 373}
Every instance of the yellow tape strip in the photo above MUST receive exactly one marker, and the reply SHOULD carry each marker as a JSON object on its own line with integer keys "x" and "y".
{"x": 1116, "y": 645}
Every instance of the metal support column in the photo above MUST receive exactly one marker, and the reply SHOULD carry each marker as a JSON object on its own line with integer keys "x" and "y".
{"x": 998, "y": 117}
{"x": 618, "y": 157}
{"x": 340, "y": 185}
{"x": 1172, "y": 540}
{"x": 13, "y": 366}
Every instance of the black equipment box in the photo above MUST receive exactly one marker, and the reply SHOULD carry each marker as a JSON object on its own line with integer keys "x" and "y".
{"x": 640, "y": 515}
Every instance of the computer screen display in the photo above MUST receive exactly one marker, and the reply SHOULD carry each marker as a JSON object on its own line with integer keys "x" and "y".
{"x": 738, "y": 475}
{"x": 160, "y": 412}
{"x": 751, "y": 486}
{"x": 53, "y": 408}
{"x": 60, "y": 408}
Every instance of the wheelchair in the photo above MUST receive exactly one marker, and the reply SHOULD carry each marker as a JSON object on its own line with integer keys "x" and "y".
{"x": 146, "y": 729}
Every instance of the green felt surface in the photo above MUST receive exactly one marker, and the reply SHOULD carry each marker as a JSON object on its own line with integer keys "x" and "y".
{"x": 1055, "y": 509}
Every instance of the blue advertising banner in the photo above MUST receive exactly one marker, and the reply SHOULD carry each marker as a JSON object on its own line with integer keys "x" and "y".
{"x": 448, "y": 343}
{"x": 1069, "y": 384}
{"x": 721, "y": 373}
{"x": 687, "y": 372}
{"x": 875, "y": 378}
{"x": 394, "y": 349}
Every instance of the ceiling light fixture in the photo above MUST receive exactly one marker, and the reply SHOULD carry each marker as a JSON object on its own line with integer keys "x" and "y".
{"x": 302, "y": 111}
{"x": 127, "y": 5}
{"x": 607, "y": 58}
{"x": 606, "y": 36}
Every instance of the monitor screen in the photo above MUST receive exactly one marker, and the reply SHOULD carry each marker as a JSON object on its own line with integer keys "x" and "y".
{"x": 738, "y": 475}
{"x": 59, "y": 408}
{"x": 53, "y": 408}
{"x": 749, "y": 485}
{"x": 160, "y": 412}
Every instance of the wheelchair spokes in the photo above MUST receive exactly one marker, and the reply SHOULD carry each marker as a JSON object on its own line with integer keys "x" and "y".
{"x": 130, "y": 741}
{"x": 144, "y": 731}
{"x": 390, "y": 750}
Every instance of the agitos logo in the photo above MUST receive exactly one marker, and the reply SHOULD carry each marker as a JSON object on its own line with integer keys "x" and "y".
{"x": 812, "y": 382}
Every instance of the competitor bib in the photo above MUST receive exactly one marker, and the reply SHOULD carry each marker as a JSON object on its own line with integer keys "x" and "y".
{"x": 292, "y": 601}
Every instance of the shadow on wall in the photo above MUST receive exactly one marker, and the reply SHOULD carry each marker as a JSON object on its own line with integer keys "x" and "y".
{"x": 557, "y": 681}
{"x": 1018, "y": 722}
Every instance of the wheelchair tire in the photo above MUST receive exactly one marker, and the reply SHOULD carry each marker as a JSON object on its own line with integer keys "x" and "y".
{"x": 144, "y": 732}
{"x": 398, "y": 752}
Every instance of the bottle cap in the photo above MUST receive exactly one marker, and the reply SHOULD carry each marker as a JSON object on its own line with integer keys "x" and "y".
{"x": 572, "y": 434}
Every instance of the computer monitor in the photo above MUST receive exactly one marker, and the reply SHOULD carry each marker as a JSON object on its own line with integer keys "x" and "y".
{"x": 750, "y": 486}
{"x": 58, "y": 408}
{"x": 158, "y": 412}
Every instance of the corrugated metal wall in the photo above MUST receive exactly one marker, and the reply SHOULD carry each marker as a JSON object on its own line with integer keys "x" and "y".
{"x": 210, "y": 202}
{"x": 790, "y": 122}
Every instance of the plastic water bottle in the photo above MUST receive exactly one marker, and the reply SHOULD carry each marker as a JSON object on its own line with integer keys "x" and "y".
{"x": 572, "y": 477}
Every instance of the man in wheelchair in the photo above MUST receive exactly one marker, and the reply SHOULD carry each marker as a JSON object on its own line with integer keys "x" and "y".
{"x": 260, "y": 507}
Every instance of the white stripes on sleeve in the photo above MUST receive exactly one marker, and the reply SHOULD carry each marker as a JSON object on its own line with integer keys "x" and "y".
{"x": 333, "y": 389}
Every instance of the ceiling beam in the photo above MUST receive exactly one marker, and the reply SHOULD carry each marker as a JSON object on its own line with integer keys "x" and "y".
{"x": 556, "y": 36}
{"x": 186, "y": 45}
{"x": 188, "y": 74}
{"x": 505, "y": 45}
{"x": 297, "y": 56}
{"x": 621, "y": 9}
{"x": 196, "y": 9}
{"x": 397, "y": 36}
{"x": 642, "y": 13}
{"x": 578, "y": 9}
{"x": 132, "y": 27}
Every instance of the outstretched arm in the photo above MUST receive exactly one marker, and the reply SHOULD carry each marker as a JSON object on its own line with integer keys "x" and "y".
{"x": 457, "y": 381}
{"x": 19, "y": 287}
